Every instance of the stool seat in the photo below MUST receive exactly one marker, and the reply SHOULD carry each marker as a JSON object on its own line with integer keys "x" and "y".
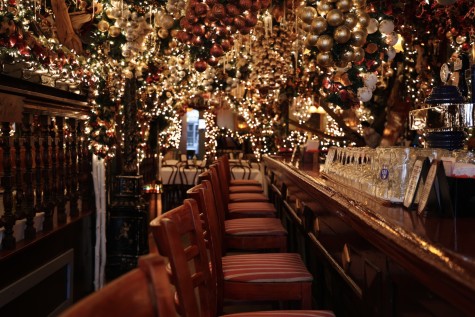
{"x": 251, "y": 209}
{"x": 265, "y": 268}
{"x": 247, "y": 197}
{"x": 244, "y": 182}
{"x": 254, "y": 226}
{"x": 245, "y": 189}
{"x": 286, "y": 313}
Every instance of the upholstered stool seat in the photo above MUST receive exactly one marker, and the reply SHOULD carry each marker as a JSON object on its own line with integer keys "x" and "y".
{"x": 245, "y": 197}
{"x": 268, "y": 268}
{"x": 251, "y": 209}
{"x": 244, "y": 182}
{"x": 254, "y": 226}
{"x": 286, "y": 313}
{"x": 245, "y": 189}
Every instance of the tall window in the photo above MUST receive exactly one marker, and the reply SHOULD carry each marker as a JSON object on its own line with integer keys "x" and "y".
{"x": 192, "y": 134}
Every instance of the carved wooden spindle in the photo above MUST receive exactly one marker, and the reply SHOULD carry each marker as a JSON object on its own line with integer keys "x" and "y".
{"x": 54, "y": 160}
{"x": 28, "y": 203}
{"x": 80, "y": 135}
{"x": 73, "y": 179}
{"x": 60, "y": 190}
{"x": 38, "y": 174}
{"x": 19, "y": 212}
{"x": 47, "y": 204}
{"x": 67, "y": 163}
{"x": 8, "y": 241}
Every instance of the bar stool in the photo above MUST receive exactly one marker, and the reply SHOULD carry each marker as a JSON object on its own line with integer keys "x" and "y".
{"x": 242, "y": 233}
{"x": 190, "y": 270}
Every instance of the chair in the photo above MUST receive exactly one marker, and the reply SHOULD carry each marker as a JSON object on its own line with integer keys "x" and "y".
{"x": 236, "y": 209}
{"x": 142, "y": 292}
{"x": 243, "y": 233}
{"x": 179, "y": 235}
{"x": 236, "y": 182}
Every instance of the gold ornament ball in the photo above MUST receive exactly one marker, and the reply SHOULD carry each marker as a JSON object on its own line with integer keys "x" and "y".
{"x": 325, "y": 59}
{"x": 319, "y": 25}
{"x": 347, "y": 56}
{"x": 342, "y": 34}
{"x": 324, "y": 7}
{"x": 307, "y": 14}
{"x": 358, "y": 38}
{"x": 344, "y": 5}
{"x": 359, "y": 3}
{"x": 335, "y": 17}
{"x": 167, "y": 22}
{"x": 363, "y": 19}
{"x": 351, "y": 20}
{"x": 114, "y": 31}
{"x": 325, "y": 43}
{"x": 103, "y": 26}
{"x": 163, "y": 33}
{"x": 311, "y": 40}
{"x": 358, "y": 54}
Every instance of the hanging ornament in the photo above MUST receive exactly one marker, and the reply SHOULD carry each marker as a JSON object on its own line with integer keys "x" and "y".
{"x": 347, "y": 55}
{"x": 344, "y": 5}
{"x": 103, "y": 26}
{"x": 324, "y": 59}
{"x": 311, "y": 40}
{"x": 386, "y": 26}
{"x": 364, "y": 94}
{"x": 318, "y": 26}
{"x": 358, "y": 38}
{"x": 359, "y": 54}
{"x": 373, "y": 26}
{"x": 342, "y": 34}
{"x": 307, "y": 14}
{"x": 351, "y": 20}
{"x": 325, "y": 43}
{"x": 363, "y": 19}
{"x": 335, "y": 17}
{"x": 323, "y": 7}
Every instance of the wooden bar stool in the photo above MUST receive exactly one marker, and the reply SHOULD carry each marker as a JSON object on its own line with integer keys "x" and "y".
{"x": 179, "y": 235}
{"x": 237, "y": 209}
{"x": 142, "y": 292}
{"x": 236, "y": 182}
{"x": 242, "y": 233}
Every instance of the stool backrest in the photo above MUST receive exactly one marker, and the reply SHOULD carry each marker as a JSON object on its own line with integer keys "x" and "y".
{"x": 142, "y": 292}
{"x": 179, "y": 236}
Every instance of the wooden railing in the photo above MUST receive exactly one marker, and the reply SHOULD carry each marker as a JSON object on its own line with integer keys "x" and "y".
{"x": 45, "y": 165}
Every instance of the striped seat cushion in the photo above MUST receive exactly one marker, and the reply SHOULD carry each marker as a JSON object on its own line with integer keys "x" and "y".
{"x": 265, "y": 268}
{"x": 285, "y": 313}
{"x": 251, "y": 209}
{"x": 246, "y": 189}
{"x": 242, "y": 182}
{"x": 254, "y": 226}
{"x": 241, "y": 197}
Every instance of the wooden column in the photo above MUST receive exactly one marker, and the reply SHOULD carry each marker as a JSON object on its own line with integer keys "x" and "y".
{"x": 54, "y": 163}
{"x": 8, "y": 241}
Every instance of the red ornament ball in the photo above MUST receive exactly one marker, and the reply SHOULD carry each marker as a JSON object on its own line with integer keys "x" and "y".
{"x": 216, "y": 50}
{"x": 200, "y": 65}
{"x": 465, "y": 46}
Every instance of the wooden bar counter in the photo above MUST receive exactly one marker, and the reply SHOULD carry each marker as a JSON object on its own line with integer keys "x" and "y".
{"x": 371, "y": 258}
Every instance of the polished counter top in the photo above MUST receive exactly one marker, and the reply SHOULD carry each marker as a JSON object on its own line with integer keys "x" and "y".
{"x": 439, "y": 252}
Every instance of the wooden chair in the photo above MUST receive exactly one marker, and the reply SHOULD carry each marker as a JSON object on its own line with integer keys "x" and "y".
{"x": 242, "y": 233}
{"x": 142, "y": 292}
{"x": 236, "y": 209}
{"x": 179, "y": 235}
{"x": 236, "y": 182}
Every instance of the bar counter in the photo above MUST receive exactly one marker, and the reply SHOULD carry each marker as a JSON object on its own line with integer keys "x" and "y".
{"x": 370, "y": 257}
